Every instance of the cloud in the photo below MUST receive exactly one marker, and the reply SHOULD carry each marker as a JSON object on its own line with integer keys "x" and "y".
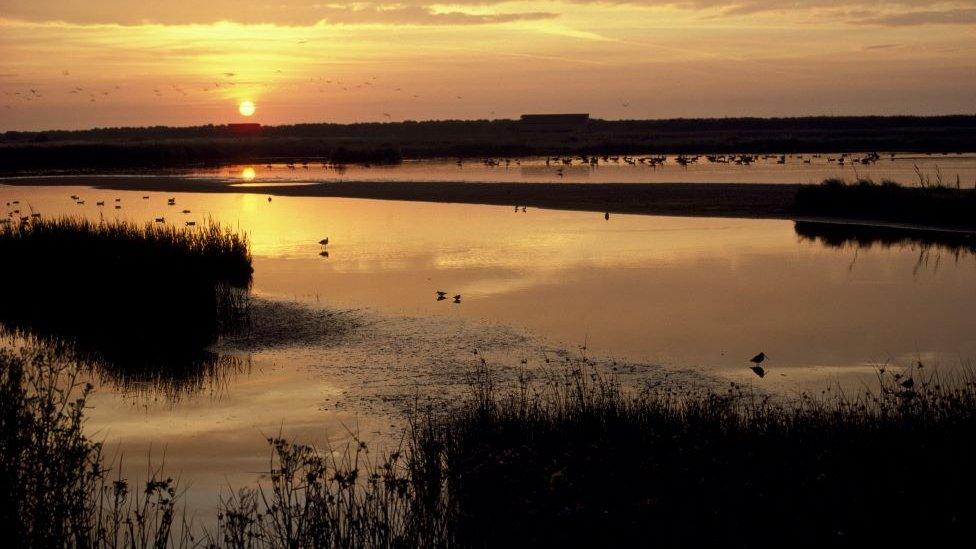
{"x": 931, "y": 17}
{"x": 280, "y": 12}
{"x": 435, "y": 12}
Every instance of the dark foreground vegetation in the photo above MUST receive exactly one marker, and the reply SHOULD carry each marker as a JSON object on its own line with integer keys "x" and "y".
{"x": 932, "y": 205}
{"x": 156, "y": 147}
{"x": 563, "y": 460}
{"x": 122, "y": 292}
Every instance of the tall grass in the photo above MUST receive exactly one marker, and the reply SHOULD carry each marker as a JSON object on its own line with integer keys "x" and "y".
{"x": 567, "y": 459}
{"x": 929, "y": 205}
{"x": 578, "y": 462}
{"x": 55, "y": 487}
{"x": 123, "y": 289}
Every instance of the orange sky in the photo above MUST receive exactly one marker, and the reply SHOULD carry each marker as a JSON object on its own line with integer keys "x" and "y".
{"x": 74, "y": 64}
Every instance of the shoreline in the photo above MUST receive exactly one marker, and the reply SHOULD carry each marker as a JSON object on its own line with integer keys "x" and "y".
{"x": 731, "y": 200}
{"x": 742, "y": 200}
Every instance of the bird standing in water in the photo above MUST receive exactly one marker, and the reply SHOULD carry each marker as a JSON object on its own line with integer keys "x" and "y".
{"x": 757, "y": 369}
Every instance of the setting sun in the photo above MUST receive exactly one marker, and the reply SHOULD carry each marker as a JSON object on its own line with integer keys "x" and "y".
{"x": 246, "y": 108}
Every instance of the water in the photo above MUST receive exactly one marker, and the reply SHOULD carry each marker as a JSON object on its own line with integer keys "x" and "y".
{"x": 900, "y": 167}
{"x": 697, "y": 295}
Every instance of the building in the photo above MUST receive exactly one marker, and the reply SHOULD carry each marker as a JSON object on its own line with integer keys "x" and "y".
{"x": 249, "y": 128}
{"x": 554, "y": 122}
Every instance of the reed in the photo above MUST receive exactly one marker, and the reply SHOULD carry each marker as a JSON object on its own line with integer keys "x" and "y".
{"x": 124, "y": 289}
{"x": 931, "y": 205}
{"x": 567, "y": 457}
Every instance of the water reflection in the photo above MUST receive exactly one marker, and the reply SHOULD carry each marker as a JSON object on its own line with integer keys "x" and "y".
{"x": 685, "y": 292}
{"x": 931, "y": 246}
{"x": 171, "y": 375}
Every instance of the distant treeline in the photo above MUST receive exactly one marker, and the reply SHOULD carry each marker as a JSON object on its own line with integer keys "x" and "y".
{"x": 161, "y": 146}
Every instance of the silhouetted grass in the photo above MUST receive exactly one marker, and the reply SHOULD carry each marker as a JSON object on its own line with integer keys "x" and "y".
{"x": 930, "y": 205}
{"x": 55, "y": 487}
{"x": 572, "y": 460}
{"x": 577, "y": 462}
{"x": 125, "y": 291}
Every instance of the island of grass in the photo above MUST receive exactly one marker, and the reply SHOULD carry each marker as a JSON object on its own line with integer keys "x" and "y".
{"x": 929, "y": 205}
{"x": 120, "y": 289}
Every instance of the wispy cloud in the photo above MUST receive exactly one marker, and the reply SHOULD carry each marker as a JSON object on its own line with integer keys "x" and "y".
{"x": 283, "y": 12}
{"x": 928, "y": 17}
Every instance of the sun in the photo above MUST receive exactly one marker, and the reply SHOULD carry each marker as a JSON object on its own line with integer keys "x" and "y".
{"x": 246, "y": 108}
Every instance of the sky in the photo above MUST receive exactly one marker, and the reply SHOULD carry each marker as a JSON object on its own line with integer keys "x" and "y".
{"x": 71, "y": 64}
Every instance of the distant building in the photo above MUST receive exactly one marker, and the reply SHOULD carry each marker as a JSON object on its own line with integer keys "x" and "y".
{"x": 249, "y": 128}
{"x": 554, "y": 122}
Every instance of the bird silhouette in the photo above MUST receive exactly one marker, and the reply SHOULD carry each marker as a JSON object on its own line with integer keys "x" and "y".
{"x": 324, "y": 241}
{"x": 758, "y": 370}
{"x": 457, "y": 298}
{"x": 758, "y": 359}
{"x": 441, "y": 294}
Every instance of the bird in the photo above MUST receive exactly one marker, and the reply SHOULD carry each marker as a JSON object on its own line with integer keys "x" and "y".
{"x": 441, "y": 294}
{"x": 758, "y": 359}
{"x": 324, "y": 241}
{"x": 758, "y": 370}
{"x": 186, "y": 211}
{"x": 191, "y": 223}
{"x": 457, "y": 298}
{"x": 606, "y": 216}
{"x": 145, "y": 198}
{"x": 160, "y": 220}
{"x": 324, "y": 253}
{"x": 269, "y": 199}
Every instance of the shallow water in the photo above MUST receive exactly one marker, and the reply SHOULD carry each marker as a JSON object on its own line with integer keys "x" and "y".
{"x": 900, "y": 167}
{"x": 691, "y": 294}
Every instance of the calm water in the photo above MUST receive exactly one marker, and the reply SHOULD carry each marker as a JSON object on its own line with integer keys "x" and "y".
{"x": 692, "y": 294}
{"x": 795, "y": 169}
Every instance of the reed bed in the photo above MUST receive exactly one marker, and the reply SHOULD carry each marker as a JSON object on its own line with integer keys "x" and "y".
{"x": 56, "y": 486}
{"x": 121, "y": 288}
{"x": 931, "y": 204}
{"x": 567, "y": 458}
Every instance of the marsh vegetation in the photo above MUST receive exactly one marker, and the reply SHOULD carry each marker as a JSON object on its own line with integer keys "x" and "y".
{"x": 933, "y": 203}
{"x": 563, "y": 457}
{"x": 132, "y": 296}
